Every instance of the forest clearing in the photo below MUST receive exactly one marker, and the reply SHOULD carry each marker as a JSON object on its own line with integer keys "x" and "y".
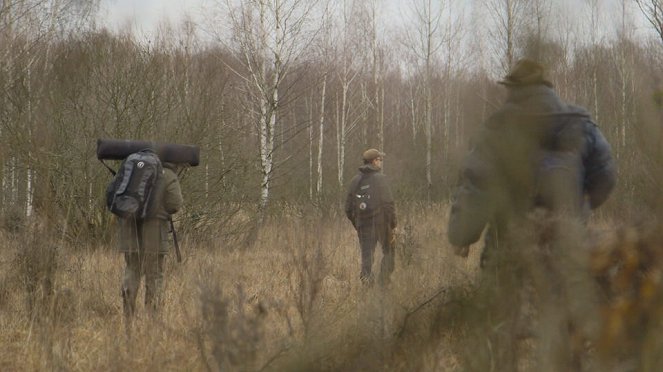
{"x": 292, "y": 302}
{"x": 282, "y": 98}
{"x": 294, "y": 298}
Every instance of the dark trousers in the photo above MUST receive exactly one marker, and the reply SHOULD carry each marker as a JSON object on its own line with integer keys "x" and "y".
{"x": 138, "y": 264}
{"x": 369, "y": 236}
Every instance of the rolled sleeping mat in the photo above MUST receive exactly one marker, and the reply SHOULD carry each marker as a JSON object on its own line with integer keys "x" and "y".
{"x": 114, "y": 149}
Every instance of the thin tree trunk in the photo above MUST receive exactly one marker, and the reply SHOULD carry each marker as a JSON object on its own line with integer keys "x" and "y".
{"x": 310, "y": 151}
{"x": 321, "y": 139}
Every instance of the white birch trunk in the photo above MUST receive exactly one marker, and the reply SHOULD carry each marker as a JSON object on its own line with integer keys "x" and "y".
{"x": 346, "y": 81}
{"x": 343, "y": 132}
{"x": 429, "y": 99}
{"x": 413, "y": 112}
{"x": 268, "y": 108}
{"x": 13, "y": 181}
{"x": 339, "y": 177}
{"x": 310, "y": 152}
{"x": 269, "y": 35}
{"x": 29, "y": 193}
{"x": 28, "y": 171}
{"x": 429, "y": 136}
{"x": 376, "y": 75}
{"x": 321, "y": 139}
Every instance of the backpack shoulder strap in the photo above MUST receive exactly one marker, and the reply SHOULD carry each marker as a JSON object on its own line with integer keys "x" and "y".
{"x": 357, "y": 185}
{"x": 364, "y": 179}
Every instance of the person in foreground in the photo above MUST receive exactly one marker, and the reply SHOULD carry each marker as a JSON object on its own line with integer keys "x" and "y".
{"x": 145, "y": 243}
{"x": 536, "y": 169}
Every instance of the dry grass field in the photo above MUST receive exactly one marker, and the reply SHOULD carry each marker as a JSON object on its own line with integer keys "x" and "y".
{"x": 293, "y": 301}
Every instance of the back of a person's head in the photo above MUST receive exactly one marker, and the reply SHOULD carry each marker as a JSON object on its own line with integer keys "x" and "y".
{"x": 526, "y": 72}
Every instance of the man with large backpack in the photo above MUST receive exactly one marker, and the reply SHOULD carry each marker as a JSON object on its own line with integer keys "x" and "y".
{"x": 369, "y": 206}
{"x": 144, "y": 195}
{"x": 536, "y": 169}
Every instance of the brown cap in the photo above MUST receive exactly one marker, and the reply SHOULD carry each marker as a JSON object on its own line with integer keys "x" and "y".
{"x": 526, "y": 72}
{"x": 372, "y": 154}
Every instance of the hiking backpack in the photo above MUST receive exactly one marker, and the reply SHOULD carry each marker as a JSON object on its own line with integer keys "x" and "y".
{"x": 366, "y": 197}
{"x": 559, "y": 169}
{"x": 129, "y": 194}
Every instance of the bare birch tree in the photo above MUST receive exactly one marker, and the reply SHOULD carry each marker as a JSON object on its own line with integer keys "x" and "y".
{"x": 350, "y": 58}
{"x": 653, "y": 12}
{"x": 564, "y": 31}
{"x": 372, "y": 89}
{"x": 594, "y": 12}
{"x": 325, "y": 53}
{"x": 509, "y": 20}
{"x": 377, "y": 71}
{"x": 28, "y": 29}
{"x": 321, "y": 131}
{"x": 453, "y": 55}
{"x": 425, "y": 39}
{"x": 623, "y": 55}
{"x": 269, "y": 37}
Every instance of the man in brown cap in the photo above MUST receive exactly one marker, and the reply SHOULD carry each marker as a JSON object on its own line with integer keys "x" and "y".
{"x": 526, "y": 72}
{"x": 537, "y": 167}
{"x": 370, "y": 207}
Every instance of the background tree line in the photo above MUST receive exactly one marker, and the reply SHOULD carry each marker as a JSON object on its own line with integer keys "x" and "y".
{"x": 282, "y": 96}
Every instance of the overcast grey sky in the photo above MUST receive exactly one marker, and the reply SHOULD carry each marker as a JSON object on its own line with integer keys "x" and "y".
{"x": 146, "y": 15}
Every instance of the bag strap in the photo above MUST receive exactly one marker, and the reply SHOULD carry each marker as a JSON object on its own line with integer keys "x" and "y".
{"x": 358, "y": 185}
{"x": 113, "y": 172}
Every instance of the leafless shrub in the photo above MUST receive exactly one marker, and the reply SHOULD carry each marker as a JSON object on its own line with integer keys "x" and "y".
{"x": 36, "y": 261}
{"x": 63, "y": 307}
{"x": 54, "y": 331}
{"x": 51, "y": 311}
{"x": 14, "y": 220}
{"x": 231, "y": 327}
{"x": 406, "y": 244}
{"x": 307, "y": 273}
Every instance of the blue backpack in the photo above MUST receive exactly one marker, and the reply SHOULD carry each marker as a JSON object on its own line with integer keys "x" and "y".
{"x": 558, "y": 167}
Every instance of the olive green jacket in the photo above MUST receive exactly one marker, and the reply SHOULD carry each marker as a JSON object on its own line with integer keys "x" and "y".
{"x": 152, "y": 234}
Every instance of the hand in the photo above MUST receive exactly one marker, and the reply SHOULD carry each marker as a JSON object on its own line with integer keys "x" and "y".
{"x": 462, "y": 251}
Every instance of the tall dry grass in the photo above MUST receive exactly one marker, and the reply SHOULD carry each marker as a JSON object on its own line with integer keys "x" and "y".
{"x": 293, "y": 301}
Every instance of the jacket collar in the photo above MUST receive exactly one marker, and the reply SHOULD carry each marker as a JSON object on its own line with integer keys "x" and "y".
{"x": 368, "y": 168}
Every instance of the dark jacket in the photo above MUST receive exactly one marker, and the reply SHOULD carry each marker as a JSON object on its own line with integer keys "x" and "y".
{"x": 152, "y": 232}
{"x": 385, "y": 213}
{"x": 497, "y": 175}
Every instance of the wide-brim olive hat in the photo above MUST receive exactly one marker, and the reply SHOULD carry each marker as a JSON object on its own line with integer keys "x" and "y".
{"x": 526, "y": 72}
{"x": 372, "y": 154}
